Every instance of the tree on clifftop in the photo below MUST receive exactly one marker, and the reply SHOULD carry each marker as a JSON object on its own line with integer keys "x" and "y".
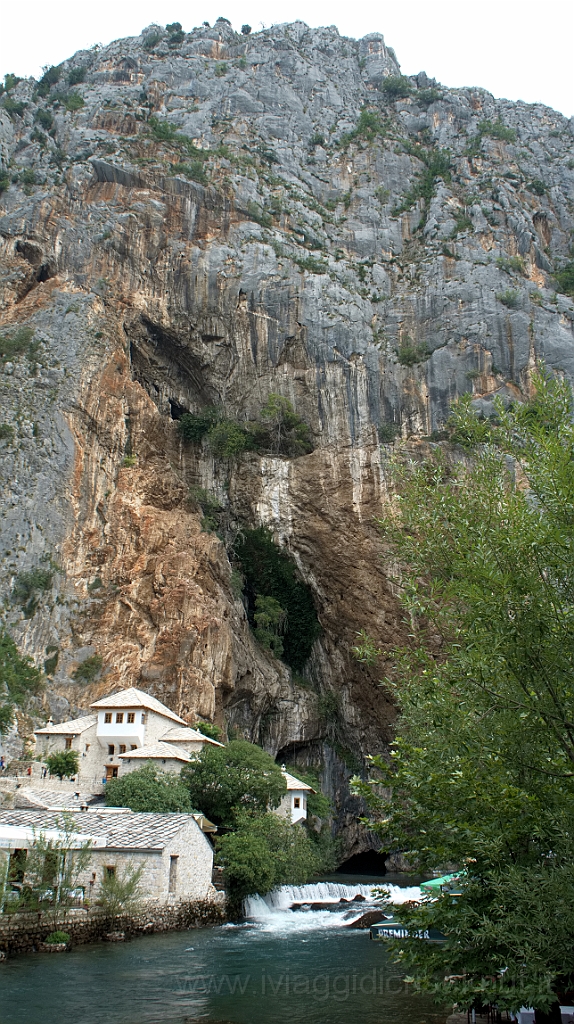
{"x": 482, "y": 770}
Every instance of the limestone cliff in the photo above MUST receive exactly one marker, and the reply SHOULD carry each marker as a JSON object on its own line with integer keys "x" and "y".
{"x": 202, "y": 222}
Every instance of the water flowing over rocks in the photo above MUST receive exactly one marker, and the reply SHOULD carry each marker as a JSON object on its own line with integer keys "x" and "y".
{"x": 211, "y": 222}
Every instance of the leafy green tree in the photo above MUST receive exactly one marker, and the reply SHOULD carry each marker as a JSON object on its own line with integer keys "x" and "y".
{"x": 122, "y": 892}
{"x": 64, "y": 763}
{"x": 53, "y": 870}
{"x": 19, "y": 680}
{"x": 265, "y": 851}
{"x": 269, "y": 620}
{"x": 482, "y": 771}
{"x": 149, "y": 789}
{"x": 288, "y": 434}
{"x": 226, "y": 782}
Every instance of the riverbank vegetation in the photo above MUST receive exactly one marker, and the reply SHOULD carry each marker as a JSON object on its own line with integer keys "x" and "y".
{"x": 482, "y": 769}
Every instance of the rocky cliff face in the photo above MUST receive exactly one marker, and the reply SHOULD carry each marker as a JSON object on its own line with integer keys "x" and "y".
{"x": 202, "y": 222}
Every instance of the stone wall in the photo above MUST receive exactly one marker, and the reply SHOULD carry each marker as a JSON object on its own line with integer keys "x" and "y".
{"x": 24, "y": 932}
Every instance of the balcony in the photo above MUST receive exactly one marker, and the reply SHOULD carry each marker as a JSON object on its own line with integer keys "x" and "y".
{"x": 115, "y": 728}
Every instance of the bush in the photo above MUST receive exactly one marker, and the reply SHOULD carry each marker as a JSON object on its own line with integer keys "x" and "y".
{"x": 194, "y": 171}
{"x": 259, "y": 215}
{"x": 20, "y": 678}
{"x": 270, "y": 572}
{"x": 44, "y": 118}
{"x": 220, "y": 69}
{"x": 245, "y": 29}
{"x": 208, "y": 729}
{"x": 424, "y": 97}
{"x": 511, "y": 264}
{"x": 565, "y": 279}
{"x": 497, "y": 130}
{"x": 151, "y": 40}
{"x": 465, "y": 427}
{"x": 149, "y": 790}
{"x": 408, "y": 353}
{"x": 227, "y": 439}
{"x": 88, "y": 670}
{"x": 388, "y": 432}
{"x": 396, "y": 87}
{"x": 437, "y": 165}
{"x": 6, "y": 432}
{"x": 28, "y": 585}
{"x": 269, "y": 618}
{"x": 12, "y": 107}
{"x": 509, "y": 298}
{"x": 537, "y": 186}
{"x": 4, "y": 182}
{"x": 73, "y": 101}
{"x": 462, "y": 223}
{"x": 194, "y": 427}
{"x": 16, "y": 344}
{"x": 176, "y": 35}
{"x": 10, "y": 81}
{"x": 76, "y": 76}
{"x": 64, "y": 763}
{"x": 368, "y": 127}
{"x": 48, "y": 79}
{"x": 54, "y": 938}
{"x": 229, "y": 781}
{"x": 122, "y": 892}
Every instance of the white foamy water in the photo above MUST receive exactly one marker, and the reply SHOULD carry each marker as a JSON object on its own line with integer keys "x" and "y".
{"x": 273, "y": 912}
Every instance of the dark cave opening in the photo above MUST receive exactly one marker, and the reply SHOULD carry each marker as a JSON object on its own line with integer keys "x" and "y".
{"x": 176, "y": 411}
{"x": 369, "y": 862}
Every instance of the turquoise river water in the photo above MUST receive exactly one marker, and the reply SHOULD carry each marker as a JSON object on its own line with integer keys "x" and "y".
{"x": 282, "y": 966}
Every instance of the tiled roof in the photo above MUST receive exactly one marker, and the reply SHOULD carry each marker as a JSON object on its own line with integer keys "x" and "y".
{"x": 133, "y": 698}
{"x": 53, "y": 800}
{"x": 127, "y": 830}
{"x": 188, "y": 735}
{"x": 157, "y": 750}
{"x": 293, "y": 783}
{"x": 76, "y": 725}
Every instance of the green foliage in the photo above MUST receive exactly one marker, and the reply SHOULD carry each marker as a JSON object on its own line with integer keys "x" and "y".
{"x": 437, "y": 164}
{"x": 209, "y": 505}
{"x": 259, "y": 215}
{"x": 311, "y": 264}
{"x": 481, "y": 772}
{"x": 388, "y": 432}
{"x": 269, "y": 618}
{"x": 54, "y": 938}
{"x": 28, "y": 586}
{"x": 227, "y": 439}
{"x": 409, "y": 353}
{"x": 73, "y": 101}
{"x": 318, "y": 139}
{"x": 176, "y": 35}
{"x": 497, "y": 130}
{"x": 4, "y": 185}
{"x": 51, "y": 662}
{"x": 208, "y": 729}
{"x": 425, "y": 97}
{"x": 10, "y": 80}
{"x": 329, "y": 706}
{"x": 511, "y": 264}
{"x": 368, "y": 127}
{"x": 89, "y": 669}
{"x": 397, "y": 87}
{"x": 49, "y": 78}
{"x": 287, "y": 433}
{"x": 195, "y": 171}
{"x": 462, "y": 223}
{"x": 565, "y": 279}
{"x": 263, "y": 853}
{"x": 245, "y": 29}
{"x": 150, "y": 790}
{"x": 76, "y": 76}
{"x": 194, "y": 427}
{"x": 366, "y": 650}
{"x": 63, "y": 763}
{"x": 537, "y": 187}
{"x": 6, "y": 432}
{"x": 19, "y": 680}
{"x": 465, "y": 427}
{"x": 151, "y": 40}
{"x": 16, "y": 344}
{"x": 270, "y": 572}
{"x": 44, "y": 118}
{"x": 227, "y": 782}
{"x": 220, "y": 69}
{"x": 509, "y": 298}
{"x": 122, "y": 892}
{"x": 54, "y": 870}
{"x": 12, "y": 107}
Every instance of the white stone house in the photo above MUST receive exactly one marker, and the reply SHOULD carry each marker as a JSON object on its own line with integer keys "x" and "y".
{"x": 177, "y": 857}
{"x": 126, "y": 730}
{"x": 294, "y": 804}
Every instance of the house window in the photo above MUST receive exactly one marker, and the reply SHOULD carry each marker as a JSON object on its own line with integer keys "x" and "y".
{"x": 87, "y": 747}
{"x": 111, "y": 749}
{"x": 173, "y": 873}
{"x": 122, "y": 748}
{"x": 143, "y": 718}
{"x": 108, "y": 717}
{"x": 296, "y": 801}
{"x": 133, "y": 746}
{"x": 120, "y": 716}
{"x": 68, "y": 742}
{"x": 110, "y": 871}
{"x": 131, "y": 717}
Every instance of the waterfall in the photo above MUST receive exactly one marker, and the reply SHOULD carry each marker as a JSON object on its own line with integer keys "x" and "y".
{"x": 274, "y": 912}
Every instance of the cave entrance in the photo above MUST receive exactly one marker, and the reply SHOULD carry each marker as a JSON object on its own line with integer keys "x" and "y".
{"x": 370, "y": 862}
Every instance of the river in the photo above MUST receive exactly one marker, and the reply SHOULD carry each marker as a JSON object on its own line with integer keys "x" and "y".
{"x": 281, "y": 966}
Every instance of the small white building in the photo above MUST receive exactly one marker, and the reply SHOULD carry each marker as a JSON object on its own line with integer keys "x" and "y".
{"x": 127, "y": 730}
{"x": 294, "y": 803}
{"x": 177, "y": 857}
